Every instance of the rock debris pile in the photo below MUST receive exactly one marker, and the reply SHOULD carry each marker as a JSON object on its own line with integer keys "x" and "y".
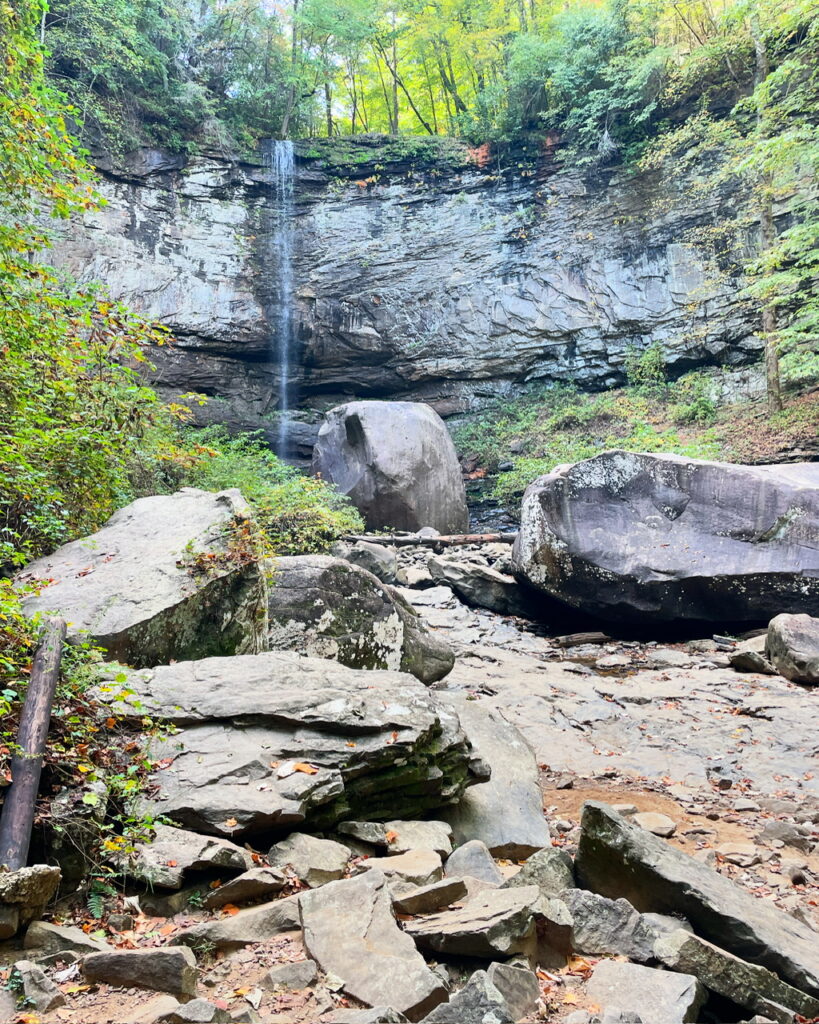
{"x": 422, "y": 806}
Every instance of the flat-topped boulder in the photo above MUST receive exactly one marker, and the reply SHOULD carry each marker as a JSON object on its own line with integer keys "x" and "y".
{"x": 281, "y": 740}
{"x": 327, "y": 608}
{"x": 397, "y": 464}
{"x": 643, "y": 536}
{"x": 167, "y": 578}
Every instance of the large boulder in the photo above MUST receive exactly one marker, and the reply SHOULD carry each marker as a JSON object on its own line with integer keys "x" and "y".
{"x": 640, "y": 536}
{"x": 617, "y": 859}
{"x": 328, "y": 608}
{"x": 277, "y": 739}
{"x": 792, "y": 647}
{"x": 396, "y": 462}
{"x": 167, "y": 578}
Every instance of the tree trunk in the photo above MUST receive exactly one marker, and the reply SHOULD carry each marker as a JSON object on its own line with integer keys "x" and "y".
{"x": 394, "y": 71}
{"x": 27, "y": 764}
{"x": 294, "y": 51}
{"x": 396, "y": 81}
{"x": 447, "y": 540}
{"x": 328, "y": 106}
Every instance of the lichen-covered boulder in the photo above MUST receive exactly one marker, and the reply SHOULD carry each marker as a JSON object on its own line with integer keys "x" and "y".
{"x": 278, "y": 740}
{"x": 167, "y": 578}
{"x": 662, "y": 537}
{"x": 325, "y": 607}
{"x": 397, "y": 464}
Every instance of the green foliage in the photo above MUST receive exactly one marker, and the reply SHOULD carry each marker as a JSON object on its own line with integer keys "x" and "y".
{"x": 765, "y": 148}
{"x": 602, "y": 76}
{"x": 645, "y": 369}
{"x": 559, "y": 425}
{"x": 696, "y": 399}
{"x": 298, "y": 514}
{"x": 73, "y": 413}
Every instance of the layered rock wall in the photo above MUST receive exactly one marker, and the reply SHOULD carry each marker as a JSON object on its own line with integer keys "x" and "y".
{"x": 449, "y": 285}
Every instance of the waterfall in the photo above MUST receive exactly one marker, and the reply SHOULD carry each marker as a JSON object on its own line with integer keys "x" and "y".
{"x": 279, "y": 160}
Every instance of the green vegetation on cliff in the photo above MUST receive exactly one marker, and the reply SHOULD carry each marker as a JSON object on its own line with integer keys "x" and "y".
{"x": 697, "y": 416}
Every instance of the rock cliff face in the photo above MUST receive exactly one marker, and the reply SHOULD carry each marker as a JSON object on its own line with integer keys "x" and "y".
{"x": 442, "y": 284}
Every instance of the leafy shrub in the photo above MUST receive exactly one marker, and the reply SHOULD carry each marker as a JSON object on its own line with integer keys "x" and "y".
{"x": 697, "y": 400}
{"x": 646, "y": 369}
{"x": 299, "y": 514}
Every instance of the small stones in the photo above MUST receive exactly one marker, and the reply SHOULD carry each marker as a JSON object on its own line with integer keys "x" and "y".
{"x": 297, "y": 975}
{"x": 478, "y": 1001}
{"x": 197, "y": 1011}
{"x": 38, "y": 988}
{"x": 256, "y": 924}
{"x": 549, "y": 869}
{"x": 401, "y": 836}
{"x": 496, "y": 922}
{"x": 417, "y": 867}
{"x": 55, "y": 938}
{"x": 657, "y": 824}
{"x": 475, "y": 860}
{"x": 350, "y": 931}
{"x": 428, "y": 898}
{"x": 313, "y": 861}
{"x": 174, "y": 852}
{"x": 252, "y": 885}
{"x": 786, "y": 832}
{"x": 372, "y": 1015}
{"x": 608, "y": 926}
{"x": 518, "y": 986}
{"x": 167, "y": 969}
{"x": 744, "y": 855}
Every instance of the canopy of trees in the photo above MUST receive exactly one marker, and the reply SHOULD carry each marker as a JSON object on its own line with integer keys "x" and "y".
{"x": 601, "y": 74}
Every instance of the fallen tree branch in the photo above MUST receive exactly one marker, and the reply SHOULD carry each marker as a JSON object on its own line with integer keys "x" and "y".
{"x": 450, "y": 540}
{"x": 27, "y": 762}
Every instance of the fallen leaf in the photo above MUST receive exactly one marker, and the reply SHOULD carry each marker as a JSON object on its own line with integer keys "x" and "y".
{"x": 110, "y": 723}
{"x": 308, "y": 769}
{"x": 230, "y": 909}
{"x": 215, "y": 883}
{"x": 571, "y": 997}
{"x": 231, "y": 823}
{"x": 391, "y": 836}
{"x": 169, "y": 929}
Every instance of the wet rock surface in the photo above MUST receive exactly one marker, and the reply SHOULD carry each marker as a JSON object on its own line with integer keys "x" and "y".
{"x": 419, "y": 287}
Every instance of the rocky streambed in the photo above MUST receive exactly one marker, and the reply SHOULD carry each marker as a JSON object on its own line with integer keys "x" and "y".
{"x": 422, "y": 805}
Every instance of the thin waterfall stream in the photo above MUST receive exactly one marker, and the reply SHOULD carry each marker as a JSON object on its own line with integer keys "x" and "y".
{"x": 280, "y": 162}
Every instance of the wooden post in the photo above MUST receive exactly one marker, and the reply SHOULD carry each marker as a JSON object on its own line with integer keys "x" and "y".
{"x": 26, "y": 765}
